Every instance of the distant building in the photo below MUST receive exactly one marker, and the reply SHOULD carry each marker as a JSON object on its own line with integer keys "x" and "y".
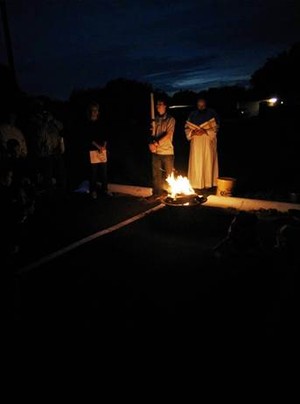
{"x": 248, "y": 109}
{"x": 253, "y": 108}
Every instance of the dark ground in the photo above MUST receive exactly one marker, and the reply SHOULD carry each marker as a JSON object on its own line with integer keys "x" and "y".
{"x": 156, "y": 275}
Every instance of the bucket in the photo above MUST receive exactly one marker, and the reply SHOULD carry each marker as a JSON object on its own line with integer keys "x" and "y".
{"x": 225, "y": 186}
{"x": 294, "y": 197}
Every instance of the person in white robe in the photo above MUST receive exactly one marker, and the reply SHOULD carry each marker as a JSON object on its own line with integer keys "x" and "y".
{"x": 201, "y": 130}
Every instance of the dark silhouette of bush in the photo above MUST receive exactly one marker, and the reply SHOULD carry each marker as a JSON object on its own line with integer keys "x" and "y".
{"x": 279, "y": 75}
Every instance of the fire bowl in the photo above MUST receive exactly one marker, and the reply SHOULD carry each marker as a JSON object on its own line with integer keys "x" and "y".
{"x": 184, "y": 200}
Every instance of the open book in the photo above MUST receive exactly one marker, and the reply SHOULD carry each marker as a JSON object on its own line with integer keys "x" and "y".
{"x": 97, "y": 156}
{"x": 211, "y": 124}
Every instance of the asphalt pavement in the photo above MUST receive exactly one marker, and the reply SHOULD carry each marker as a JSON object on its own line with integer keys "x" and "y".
{"x": 124, "y": 265}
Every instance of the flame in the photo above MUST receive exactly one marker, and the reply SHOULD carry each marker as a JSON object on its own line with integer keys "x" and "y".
{"x": 179, "y": 185}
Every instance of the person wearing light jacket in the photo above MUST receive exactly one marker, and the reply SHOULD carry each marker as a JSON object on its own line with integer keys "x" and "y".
{"x": 162, "y": 149}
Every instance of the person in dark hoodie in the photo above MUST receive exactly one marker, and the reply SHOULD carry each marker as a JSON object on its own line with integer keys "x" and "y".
{"x": 96, "y": 146}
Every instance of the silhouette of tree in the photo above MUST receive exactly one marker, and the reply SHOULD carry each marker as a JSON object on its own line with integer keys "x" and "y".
{"x": 224, "y": 99}
{"x": 184, "y": 97}
{"x": 279, "y": 75}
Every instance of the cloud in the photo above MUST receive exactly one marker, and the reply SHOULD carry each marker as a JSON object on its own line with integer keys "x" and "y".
{"x": 62, "y": 44}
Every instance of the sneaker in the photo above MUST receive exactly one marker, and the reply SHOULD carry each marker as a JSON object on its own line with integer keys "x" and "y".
{"x": 153, "y": 198}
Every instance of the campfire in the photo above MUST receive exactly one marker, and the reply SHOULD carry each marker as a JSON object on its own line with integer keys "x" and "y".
{"x": 181, "y": 193}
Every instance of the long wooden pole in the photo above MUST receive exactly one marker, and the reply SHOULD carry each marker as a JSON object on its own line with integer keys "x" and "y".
{"x": 152, "y": 113}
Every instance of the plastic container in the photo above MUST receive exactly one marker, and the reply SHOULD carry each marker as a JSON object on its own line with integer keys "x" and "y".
{"x": 225, "y": 186}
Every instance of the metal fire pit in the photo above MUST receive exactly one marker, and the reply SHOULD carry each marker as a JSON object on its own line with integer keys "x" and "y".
{"x": 184, "y": 200}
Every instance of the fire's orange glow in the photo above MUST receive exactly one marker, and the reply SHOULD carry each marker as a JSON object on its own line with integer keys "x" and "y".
{"x": 179, "y": 185}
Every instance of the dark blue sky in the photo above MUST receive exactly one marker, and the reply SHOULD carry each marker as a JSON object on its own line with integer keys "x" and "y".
{"x": 61, "y": 45}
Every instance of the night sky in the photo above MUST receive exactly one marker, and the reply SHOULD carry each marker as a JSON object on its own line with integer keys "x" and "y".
{"x": 62, "y": 45}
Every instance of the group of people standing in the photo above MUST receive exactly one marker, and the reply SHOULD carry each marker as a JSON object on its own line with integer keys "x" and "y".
{"x": 31, "y": 165}
{"x": 201, "y": 129}
{"x": 33, "y": 155}
{"x": 44, "y": 136}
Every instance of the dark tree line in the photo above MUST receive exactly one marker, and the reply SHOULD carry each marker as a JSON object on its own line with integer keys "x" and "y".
{"x": 279, "y": 75}
{"x": 125, "y": 105}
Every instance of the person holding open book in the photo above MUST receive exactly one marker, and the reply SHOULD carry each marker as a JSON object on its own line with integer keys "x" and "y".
{"x": 96, "y": 137}
{"x": 201, "y": 130}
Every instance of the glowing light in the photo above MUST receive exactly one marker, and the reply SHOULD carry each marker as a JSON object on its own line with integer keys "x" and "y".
{"x": 179, "y": 106}
{"x": 272, "y": 101}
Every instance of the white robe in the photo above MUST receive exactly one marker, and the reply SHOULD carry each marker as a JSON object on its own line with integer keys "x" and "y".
{"x": 203, "y": 167}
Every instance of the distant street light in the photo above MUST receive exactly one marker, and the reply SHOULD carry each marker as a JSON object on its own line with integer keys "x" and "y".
{"x": 272, "y": 101}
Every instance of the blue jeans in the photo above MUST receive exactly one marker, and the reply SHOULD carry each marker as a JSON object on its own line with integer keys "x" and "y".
{"x": 162, "y": 166}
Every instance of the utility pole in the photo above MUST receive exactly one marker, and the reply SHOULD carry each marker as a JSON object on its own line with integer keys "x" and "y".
{"x": 7, "y": 38}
